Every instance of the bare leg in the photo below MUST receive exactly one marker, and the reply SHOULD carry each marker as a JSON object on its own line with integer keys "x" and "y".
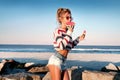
{"x": 65, "y": 75}
{"x": 55, "y": 72}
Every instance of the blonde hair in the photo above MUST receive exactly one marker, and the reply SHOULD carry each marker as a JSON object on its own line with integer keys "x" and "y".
{"x": 60, "y": 12}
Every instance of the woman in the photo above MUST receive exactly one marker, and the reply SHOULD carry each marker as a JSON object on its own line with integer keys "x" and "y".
{"x": 63, "y": 43}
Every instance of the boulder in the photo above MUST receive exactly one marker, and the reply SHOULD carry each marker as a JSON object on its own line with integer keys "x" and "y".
{"x": 29, "y": 64}
{"x": 98, "y": 75}
{"x": 22, "y": 76}
{"x": 7, "y": 67}
{"x": 82, "y": 74}
{"x": 42, "y": 69}
{"x": 75, "y": 73}
{"x": 4, "y": 61}
{"x": 47, "y": 76}
{"x": 1, "y": 67}
{"x": 111, "y": 67}
{"x": 10, "y": 66}
{"x": 1, "y": 77}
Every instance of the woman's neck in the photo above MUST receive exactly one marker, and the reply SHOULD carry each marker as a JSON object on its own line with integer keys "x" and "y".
{"x": 63, "y": 27}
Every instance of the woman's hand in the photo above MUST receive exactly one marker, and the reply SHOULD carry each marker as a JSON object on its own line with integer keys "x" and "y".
{"x": 82, "y": 37}
{"x": 70, "y": 26}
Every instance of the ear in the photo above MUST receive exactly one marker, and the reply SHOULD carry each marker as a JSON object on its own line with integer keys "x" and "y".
{"x": 60, "y": 19}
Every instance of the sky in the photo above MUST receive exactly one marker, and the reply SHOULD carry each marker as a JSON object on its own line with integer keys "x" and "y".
{"x": 34, "y": 21}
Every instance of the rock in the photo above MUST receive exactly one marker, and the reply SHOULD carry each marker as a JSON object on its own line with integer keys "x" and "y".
{"x": 75, "y": 73}
{"x": 98, "y": 75}
{"x": 7, "y": 66}
{"x": 12, "y": 66}
{"x": 111, "y": 67}
{"x": 36, "y": 77}
{"x": 29, "y": 64}
{"x": 4, "y": 61}
{"x": 1, "y": 67}
{"x": 117, "y": 77}
{"x": 47, "y": 76}
{"x": 22, "y": 76}
{"x": 1, "y": 77}
{"x": 42, "y": 69}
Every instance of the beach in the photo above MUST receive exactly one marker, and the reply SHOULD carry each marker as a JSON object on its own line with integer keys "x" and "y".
{"x": 88, "y": 61}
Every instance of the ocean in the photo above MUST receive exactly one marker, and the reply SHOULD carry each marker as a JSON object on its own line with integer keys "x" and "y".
{"x": 93, "y": 49}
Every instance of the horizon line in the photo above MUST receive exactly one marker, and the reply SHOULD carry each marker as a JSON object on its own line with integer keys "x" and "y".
{"x": 52, "y": 44}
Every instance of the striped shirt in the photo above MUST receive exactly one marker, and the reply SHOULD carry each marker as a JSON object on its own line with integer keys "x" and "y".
{"x": 63, "y": 40}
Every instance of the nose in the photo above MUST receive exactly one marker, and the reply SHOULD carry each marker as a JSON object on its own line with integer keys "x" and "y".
{"x": 70, "y": 19}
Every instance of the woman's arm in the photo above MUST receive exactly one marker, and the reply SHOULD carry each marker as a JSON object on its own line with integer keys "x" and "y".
{"x": 78, "y": 39}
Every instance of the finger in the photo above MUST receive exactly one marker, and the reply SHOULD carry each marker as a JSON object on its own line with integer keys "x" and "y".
{"x": 83, "y": 35}
{"x": 84, "y": 32}
{"x": 72, "y": 27}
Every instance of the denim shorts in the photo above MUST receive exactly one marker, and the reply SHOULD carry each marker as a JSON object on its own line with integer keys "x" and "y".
{"x": 58, "y": 60}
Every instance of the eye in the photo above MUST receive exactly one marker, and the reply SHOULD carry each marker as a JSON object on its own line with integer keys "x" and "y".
{"x": 68, "y": 17}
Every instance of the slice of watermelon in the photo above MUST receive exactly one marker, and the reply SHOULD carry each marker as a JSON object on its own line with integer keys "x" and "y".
{"x": 70, "y": 23}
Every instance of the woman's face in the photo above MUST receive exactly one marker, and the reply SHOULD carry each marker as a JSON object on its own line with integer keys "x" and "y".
{"x": 66, "y": 18}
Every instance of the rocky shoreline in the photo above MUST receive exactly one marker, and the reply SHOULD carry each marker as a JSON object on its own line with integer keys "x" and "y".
{"x": 14, "y": 70}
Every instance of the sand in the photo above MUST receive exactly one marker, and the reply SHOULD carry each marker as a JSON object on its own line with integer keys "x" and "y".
{"x": 89, "y": 61}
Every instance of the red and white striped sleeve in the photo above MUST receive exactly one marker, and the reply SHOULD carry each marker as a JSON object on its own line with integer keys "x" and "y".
{"x": 61, "y": 39}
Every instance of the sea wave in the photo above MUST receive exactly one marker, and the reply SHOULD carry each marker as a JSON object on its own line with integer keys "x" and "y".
{"x": 96, "y": 50}
{"x": 50, "y": 48}
{"x": 25, "y": 50}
